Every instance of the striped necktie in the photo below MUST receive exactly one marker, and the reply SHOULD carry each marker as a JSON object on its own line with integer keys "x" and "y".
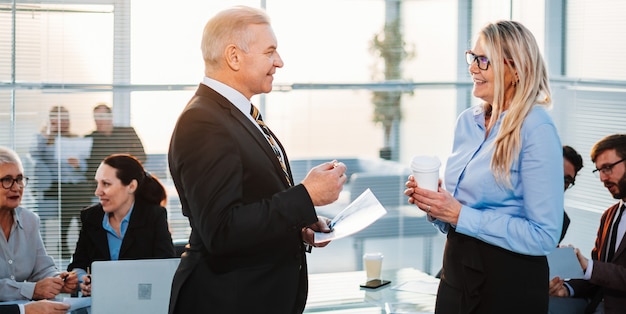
{"x": 613, "y": 238}
{"x": 254, "y": 111}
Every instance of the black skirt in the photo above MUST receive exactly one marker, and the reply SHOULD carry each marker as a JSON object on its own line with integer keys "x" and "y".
{"x": 482, "y": 278}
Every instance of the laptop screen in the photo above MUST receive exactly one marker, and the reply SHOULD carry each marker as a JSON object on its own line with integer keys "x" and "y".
{"x": 132, "y": 286}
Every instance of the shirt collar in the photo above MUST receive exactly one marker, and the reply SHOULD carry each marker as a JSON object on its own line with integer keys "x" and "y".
{"x": 235, "y": 97}
{"x": 17, "y": 217}
{"x": 105, "y": 219}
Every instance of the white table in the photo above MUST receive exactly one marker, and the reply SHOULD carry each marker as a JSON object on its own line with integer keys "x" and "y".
{"x": 340, "y": 293}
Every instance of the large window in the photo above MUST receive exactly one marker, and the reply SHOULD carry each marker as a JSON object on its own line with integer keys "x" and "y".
{"x": 142, "y": 58}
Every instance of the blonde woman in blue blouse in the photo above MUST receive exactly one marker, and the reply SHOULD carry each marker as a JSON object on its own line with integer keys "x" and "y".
{"x": 502, "y": 206}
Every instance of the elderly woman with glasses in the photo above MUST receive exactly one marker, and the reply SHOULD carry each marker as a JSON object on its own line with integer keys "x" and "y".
{"x": 502, "y": 183}
{"x": 26, "y": 270}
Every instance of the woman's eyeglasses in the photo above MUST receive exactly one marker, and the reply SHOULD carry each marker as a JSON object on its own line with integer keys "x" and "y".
{"x": 7, "y": 182}
{"x": 481, "y": 61}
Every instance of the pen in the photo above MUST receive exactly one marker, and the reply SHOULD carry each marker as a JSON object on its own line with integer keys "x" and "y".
{"x": 67, "y": 275}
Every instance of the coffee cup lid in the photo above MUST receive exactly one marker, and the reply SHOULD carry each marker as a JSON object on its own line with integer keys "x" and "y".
{"x": 425, "y": 163}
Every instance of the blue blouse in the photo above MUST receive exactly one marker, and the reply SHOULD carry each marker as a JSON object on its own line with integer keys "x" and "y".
{"x": 115, "y": 241}
{"x": 526, "y": 218}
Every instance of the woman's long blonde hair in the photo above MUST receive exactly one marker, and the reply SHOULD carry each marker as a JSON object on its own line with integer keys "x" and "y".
{"x": 513, "y": 42}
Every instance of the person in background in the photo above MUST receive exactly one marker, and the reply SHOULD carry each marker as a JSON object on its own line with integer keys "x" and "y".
{"x": 250, "y": 223}
{"x": 26, "y": 270}
{"x": 502, "y": 182}
{"x": 130, "y": 221}
{"x": 65, "y": 167}
{"x": 572, "y": 163}
{"x": 109, "y": 140}
{"x": 604, "y": 282}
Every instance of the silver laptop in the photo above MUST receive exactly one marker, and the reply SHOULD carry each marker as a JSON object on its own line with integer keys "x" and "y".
{"x": 132, "y": 286}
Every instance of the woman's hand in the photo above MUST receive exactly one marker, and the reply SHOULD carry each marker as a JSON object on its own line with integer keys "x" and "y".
{"x": 584, "y": 262}
{"x": 440, "y": 205}
{"x": 47, "y": 288}
{"x": 70, "y": 282}
{"x": 85, "y": 286}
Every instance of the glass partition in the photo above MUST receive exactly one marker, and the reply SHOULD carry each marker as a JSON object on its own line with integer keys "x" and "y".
{"x": 142, "y": 59}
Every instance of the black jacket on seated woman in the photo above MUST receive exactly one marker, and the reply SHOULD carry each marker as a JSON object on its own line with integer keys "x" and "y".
{"x": 129, "y": 222}
{"x": 147, "y": 236}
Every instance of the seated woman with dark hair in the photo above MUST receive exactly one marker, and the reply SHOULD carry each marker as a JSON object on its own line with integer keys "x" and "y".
{"x": 130, "y": 221}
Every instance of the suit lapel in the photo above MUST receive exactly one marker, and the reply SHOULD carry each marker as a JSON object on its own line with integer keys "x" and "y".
{"x": 205, "y": 91}
{"x": 262, "y": 141}
{"x": 99, "y": 235}
{"x": 284, "y": 156}
{"x": 622, "y": 245}
{"x": 136, "y": 221}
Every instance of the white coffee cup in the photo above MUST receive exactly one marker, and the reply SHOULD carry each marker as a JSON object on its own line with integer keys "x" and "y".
{"x": 373, "y": 264}
{"x": 426, "y": 171}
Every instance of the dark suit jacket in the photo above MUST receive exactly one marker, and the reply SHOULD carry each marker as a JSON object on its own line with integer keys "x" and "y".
{"x": 147, "y": 236}
{"x": 245, "y": 251}
{"x": 608, "y": 275}
{"x": 10, "y": 309}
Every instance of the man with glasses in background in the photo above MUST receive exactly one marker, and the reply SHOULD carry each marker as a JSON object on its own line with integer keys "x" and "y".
{"x": 572, "y": 163}
{"x": 604, "y": 283}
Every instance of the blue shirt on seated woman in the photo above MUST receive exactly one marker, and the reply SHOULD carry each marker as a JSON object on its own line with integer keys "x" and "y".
{"x": 129, "y": 222}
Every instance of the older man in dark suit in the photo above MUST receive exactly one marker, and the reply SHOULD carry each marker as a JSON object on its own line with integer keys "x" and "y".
{"x": 605, "y": 274}
{"x": 250, "y": 223}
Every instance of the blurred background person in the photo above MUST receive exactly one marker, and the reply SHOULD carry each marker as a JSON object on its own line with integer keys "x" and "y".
{"x": 109, "y": 139}
{"x": 130, "y": 221}
{"x": 26, "y": 270}
{"x": 61, "y": 157}
{"x": 572, "y": 163}
{"x": 502, "y": 182}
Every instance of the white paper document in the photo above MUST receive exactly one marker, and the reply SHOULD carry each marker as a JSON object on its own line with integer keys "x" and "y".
{"x": 77, "y": 303}
{"x": 359, "y": 214}
{"x": 564, "y": 264}
{"x": 72, "y": 147}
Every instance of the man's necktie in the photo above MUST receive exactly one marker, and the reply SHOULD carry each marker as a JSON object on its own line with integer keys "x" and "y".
{"x": 254, "y": 111}
{"x": 613, "y": 240}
